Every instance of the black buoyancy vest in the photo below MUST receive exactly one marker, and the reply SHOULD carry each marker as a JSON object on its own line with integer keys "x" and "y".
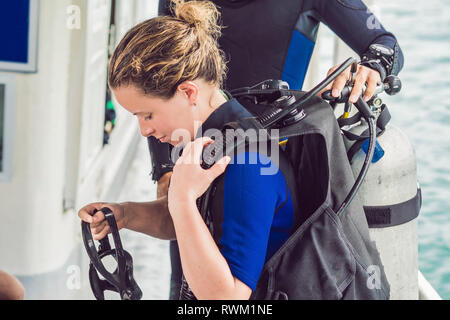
{"x": 327, "y": 256}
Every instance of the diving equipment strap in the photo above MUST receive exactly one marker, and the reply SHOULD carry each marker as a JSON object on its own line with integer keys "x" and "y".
{"x": 394, "y": 215}
{"x": 382, "y": 59}
{"x": 381, "y": 216}
{"x": 383, "y": 119}
{"x": 121, "y": 280}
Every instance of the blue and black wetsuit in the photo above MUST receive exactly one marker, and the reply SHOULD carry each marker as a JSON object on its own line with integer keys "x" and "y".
{"x": 268, "y": 39}
{"x": 257, "y": 213}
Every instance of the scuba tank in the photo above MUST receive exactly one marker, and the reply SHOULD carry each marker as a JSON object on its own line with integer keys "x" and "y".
{"x": 391, "y": 182}
{"x": 329, "y": 254}
{"x": 390, "y": 192}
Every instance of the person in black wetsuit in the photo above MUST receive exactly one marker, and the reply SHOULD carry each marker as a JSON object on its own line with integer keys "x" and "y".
{"x": 268, "y": 39}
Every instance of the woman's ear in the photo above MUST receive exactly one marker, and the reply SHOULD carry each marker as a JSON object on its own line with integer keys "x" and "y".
{"x": 190, "y": 90}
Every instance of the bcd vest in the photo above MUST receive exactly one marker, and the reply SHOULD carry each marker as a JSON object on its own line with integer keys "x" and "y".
{"x": 327, "y": 256}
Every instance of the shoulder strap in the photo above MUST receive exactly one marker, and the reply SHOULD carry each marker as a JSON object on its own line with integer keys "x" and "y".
{"x": 211, "y": 203}
{"x": 394, "y": 215}
{"x": 383, "y": 119}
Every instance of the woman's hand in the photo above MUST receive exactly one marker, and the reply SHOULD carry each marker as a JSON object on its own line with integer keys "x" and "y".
{"x": 189, "y": 180}
{"x": 363, "y": 76}
{"x": 99, "y": 225}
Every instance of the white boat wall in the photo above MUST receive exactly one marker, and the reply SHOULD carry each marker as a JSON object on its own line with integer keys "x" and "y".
{"x": 58, "y": 160}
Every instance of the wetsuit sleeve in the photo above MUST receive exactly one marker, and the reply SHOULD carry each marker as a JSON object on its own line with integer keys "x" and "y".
{"x": 163, "y": 8}
{"x": 352, "y": 21}
{"x": 250, "y": 201}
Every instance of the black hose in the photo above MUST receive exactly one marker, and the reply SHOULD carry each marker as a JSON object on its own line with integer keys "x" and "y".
{"x": 274, "y": 116}
{"x": 269, "y": 120}
{"x": 370, "y": 118}
{"x": 310, "y": 94}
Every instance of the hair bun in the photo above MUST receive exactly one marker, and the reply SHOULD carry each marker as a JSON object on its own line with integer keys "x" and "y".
{"x": 201, "y": 14}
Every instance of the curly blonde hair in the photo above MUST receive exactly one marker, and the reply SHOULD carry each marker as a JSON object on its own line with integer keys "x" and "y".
{"x": 159, "y": 54}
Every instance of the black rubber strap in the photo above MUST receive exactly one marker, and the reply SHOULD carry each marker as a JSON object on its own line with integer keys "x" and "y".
{"x": 382, "y": 122}
{"x": 160, "y": 154}
{"x": 374, "y": 65}
{"x": 394, "y": 215}
{"x": 383, "y": 119}
{"x": 354, "y": 149}
{"x": 349, "y": 121}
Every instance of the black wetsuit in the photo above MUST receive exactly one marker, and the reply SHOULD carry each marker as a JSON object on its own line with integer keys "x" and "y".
{"x": 275, "y": 39}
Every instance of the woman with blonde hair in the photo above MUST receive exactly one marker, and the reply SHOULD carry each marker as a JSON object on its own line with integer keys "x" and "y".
{"x": 168, "y": 72}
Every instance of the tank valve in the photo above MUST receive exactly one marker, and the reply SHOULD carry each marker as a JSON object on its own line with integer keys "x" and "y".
{"x": 393, "y": 85}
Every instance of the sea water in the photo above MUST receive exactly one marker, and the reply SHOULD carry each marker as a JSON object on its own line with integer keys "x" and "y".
{"x": 422, "y": 111}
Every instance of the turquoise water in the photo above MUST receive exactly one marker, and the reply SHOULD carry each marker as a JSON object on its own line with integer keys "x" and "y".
{"x": 422, "y": 110}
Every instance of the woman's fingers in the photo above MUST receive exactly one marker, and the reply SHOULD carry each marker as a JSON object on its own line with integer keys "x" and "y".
{"x": 190, "y": 180}
{"x": 219, "y": 167}
{"x": 200, "y": 145}
{"x": 193, "y": 151}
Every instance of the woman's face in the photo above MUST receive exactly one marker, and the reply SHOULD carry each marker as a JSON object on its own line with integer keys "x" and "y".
{"x": 170, "y": 121}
